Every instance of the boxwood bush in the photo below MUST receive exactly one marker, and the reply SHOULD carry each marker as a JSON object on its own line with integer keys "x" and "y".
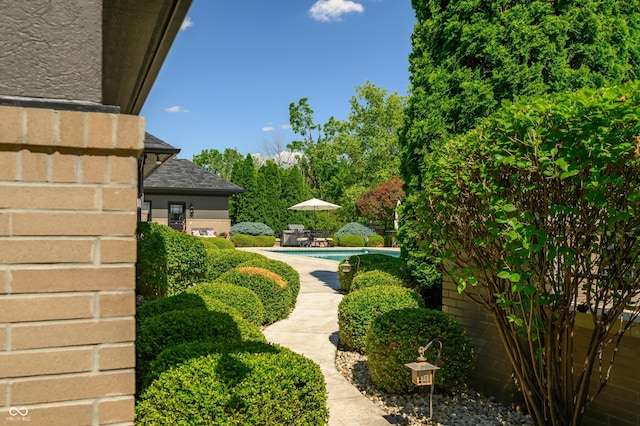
{"x": 369, "y": 262}
{"x": 351, "y": 241}
{"x": 265, "y": 240}
{"x": 221, "y": 243}
{"x": 237, "y": 387}
{"x": 357, "y": 310}
{"x": 394, "y": 338}
{"x": 372, "y": 279}
{"x": 244, "y": 240}
{"x": 177, "y": 302}
{"x": 270, "y": 287}
{"x": 355, "y": 228}
{"x": 290, "y": 275}
{"x": 208, "y": 243}
{"x": 168, "y": 262}
{"x": 244, "y": 300}
{"x": 221, "y": 261}
{"x": 375, "y": 241}
{"x": 156, "y": 333}
{"x": 250, "y": 228}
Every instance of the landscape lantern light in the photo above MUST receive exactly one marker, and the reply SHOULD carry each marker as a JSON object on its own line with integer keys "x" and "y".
{"x": 346, "y": 266}
{"x": 191, "y": 210}
{"x": 423, "y": 373}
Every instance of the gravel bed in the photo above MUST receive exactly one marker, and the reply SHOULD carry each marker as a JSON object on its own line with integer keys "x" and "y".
{"x": 467, "y": 408}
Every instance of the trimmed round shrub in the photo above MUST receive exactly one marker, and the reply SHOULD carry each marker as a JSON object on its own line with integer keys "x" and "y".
{"x": 168, "y": 261}
{"x": 357, "y": 310}
{"x": 290, "y": 275}
{"x": 375, "y": 241}
{"x": 221, "y": 261}
{"x": 207, "y": 243}
{"x": 355, "y": 228}
{"x": 250, "y": 228}
{"x": 394, "y": 338}
{"x": 221, "y": 243}
{"x": 177, "y": 302}
{"x": 270, "y": 287}
{"x": 156, "y": 333}
{"x": 370, "y": 262}
{"x": 351, "y": 241}
{"x": 244, "y": 300}
{"x": 237, "y": 387}
{"x": 265, "y": 240}
{"x": 243, "y": 240}
{"x": 372, "y": 279}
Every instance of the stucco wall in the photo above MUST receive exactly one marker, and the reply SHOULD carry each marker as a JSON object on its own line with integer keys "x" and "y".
{"x": 51, "y": 49}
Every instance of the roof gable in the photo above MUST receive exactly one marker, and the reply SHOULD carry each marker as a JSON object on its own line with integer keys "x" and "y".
{"x": 182, "y": 176}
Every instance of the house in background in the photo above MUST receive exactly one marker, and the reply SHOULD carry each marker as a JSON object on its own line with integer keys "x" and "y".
{"x": 188, "y": 197}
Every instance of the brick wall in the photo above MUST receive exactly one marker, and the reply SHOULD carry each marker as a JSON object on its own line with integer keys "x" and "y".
{"x": 68, "y": 188}
{"x": 617, "y": 405}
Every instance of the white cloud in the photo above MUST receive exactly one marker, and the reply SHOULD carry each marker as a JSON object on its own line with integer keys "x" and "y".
{"x": 267, "y": 129}
{"x": 187, "y": 23}
{"x": 332, "y": 10}
{"x": 176, "y": 108}
{"x": 285, "y": 126}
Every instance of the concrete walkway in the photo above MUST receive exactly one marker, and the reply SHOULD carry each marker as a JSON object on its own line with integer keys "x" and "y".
{"x": 312, "y": 330}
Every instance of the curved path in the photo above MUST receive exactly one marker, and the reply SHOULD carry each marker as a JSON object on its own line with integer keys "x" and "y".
{"x": 312, "y": 330}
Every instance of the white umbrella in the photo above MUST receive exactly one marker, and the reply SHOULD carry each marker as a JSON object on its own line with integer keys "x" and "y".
{"x": 315, "y": 205}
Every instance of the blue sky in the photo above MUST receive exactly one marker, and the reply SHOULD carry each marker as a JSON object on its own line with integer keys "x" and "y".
{"x": 235, "y": 67}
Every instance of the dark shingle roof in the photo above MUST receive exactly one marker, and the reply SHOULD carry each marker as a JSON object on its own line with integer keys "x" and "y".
{"x": 154, "y": 145}
{"x": 179, "y": 176}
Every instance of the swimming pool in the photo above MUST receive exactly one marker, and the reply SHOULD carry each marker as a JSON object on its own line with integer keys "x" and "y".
{"x": 336, "y": 253}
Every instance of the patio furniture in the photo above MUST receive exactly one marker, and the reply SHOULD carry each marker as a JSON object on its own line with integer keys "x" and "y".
{"x": 295, "y": 236}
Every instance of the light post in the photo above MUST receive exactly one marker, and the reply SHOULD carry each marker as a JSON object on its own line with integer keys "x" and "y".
{"x": 423, "y": 373}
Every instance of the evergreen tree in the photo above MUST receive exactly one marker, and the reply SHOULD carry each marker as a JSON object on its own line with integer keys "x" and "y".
{"x": 294, "y": 191}
{"x": 242, "y": 207}
{"x": 269, "y": 204}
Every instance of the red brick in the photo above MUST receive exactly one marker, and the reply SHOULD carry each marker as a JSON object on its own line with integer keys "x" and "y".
{"x": 116, "y": 357}
{"x": 46, "y": 251}
{"x": 36, "y": 363}
{"x": 116, "y": 410}
{"x": 118, "y": 250}
{"x": 71, "y": 333}
{"x": 55, "y": 197}
{"x": 11, "y": 125}
{"x": 100, "y": 130}
{"x": 18, "y": 308}
{"x": 74, "y": 224}
{"x": 72, "y": 279}
{"x": 72, "y": 387}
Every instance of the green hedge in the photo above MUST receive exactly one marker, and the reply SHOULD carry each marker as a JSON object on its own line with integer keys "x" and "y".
{"x": 250, "y": 228}
{"x": 168, "y": 262}
{"x": 208, "y": 243}
{"x": 357, "y": 310}
{"x": 375, "y": 241}
{"x": 241, "y": 298}
{"x": 272, "y": 290}
{"x": 177, "y": 302}
{"x": 156, "y": 333}
{"x": 370, "y": 262}
{"x": 290, "y": 275}
{"x": 265, "y": 240}
{"x": 244, "y": 240}
{"x": 221, "y": 261}
{"x": 222, "y": 243}
{"x": 394, "y": 338}
{"x": 372, "y": 279}
{"x": 351, "y": 241}
{"x": 237, "y": 387}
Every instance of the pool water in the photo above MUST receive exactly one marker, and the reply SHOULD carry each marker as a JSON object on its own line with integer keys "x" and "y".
{"x": 336, "y": 254}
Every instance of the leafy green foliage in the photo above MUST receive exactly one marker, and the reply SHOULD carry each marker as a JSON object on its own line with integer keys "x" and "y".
{"x": 372, "y": 279}
{"x": 536, "y": 211}
{"x": 357, "y": 310}
{"x": 221, "y": 261}
{"x": 249, "y": 385}
{"x": 158, "y": 332}
{"x": 245, "y": 301}
{"x": 394, "y": 338}
{"x": 272, "y": 290}
{"x": 379, "y": 203}
{"x": 265, "y": 240}
{"x": 168, "y": 261}
{"x": 220, "y": 163}
{"x": 219, "y": 242}
{"x": 355, "y": 228}
{"x": 351, "y": 241}
{"x": 290, "y": 275}
{"x": 243, "y": 206}
{"x": 369, "y": 262}
{"x": 250, "y": 228}
{"x": 375, "y": 241}
{"x": 244, "y": 240}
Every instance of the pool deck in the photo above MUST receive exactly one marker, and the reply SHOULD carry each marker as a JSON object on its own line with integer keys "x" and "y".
{"x": 312, "y": 330}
